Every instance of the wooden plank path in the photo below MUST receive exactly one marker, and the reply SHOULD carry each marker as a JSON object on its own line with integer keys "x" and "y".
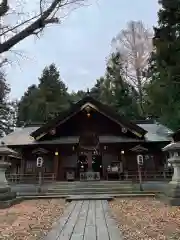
{"x": 86, "y": 220}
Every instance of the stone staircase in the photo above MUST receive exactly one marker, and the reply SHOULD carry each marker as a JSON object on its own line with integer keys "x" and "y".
{"x": 91, "y": 188}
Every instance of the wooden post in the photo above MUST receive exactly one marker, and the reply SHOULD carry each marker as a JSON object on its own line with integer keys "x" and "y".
{"x": 39, "y": 180}
{"x": 140, "y": 178}
{"x": 22, "y": 168}
{"x": 56, "y": 166}
{"x": 140, "y": 163}
{"x": 89, "y": 155}
{"x": 56, "y": 163}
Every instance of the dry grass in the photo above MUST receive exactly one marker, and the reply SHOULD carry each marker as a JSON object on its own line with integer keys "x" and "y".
{"x": 146, "y": 219}
{"x": 29, "y": 220}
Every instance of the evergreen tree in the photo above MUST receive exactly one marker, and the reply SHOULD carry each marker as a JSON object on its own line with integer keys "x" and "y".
{"x": 97, "y": 90}
{"x": 44, "y": 101}
{"x": 164, "y": 89}
{"x": 76, "y": 96}
{"x": 117, "y": 92}
{"x": 27, "y": 111}
{"x": 7, "y": 110}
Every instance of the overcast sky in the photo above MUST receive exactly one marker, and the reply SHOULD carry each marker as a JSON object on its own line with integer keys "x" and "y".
{"x": 79, "y": 45}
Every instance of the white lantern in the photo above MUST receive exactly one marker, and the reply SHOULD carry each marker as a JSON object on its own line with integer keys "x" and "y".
{"x": 39, "y": 162}
{"x": 140, "y": 159}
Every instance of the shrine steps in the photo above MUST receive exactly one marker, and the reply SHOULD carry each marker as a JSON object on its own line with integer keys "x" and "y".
{"x": 91, "y": 187}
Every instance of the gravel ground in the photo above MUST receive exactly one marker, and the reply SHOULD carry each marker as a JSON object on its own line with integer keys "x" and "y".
{"x": 29, "y": 220}
{"x": 146, "y": 219}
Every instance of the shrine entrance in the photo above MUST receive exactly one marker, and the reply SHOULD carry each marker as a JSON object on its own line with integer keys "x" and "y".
{"x": 89, "y": 157}
{"x": 97, "y": 163}
{"x": 89, "y": 163}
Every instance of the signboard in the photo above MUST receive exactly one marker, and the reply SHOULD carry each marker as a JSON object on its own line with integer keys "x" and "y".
{"x": 39, "y": 162}
{"x": 140, "y": 159}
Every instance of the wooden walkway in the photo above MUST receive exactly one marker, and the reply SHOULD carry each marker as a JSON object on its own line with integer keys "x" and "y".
{"x": 85, "y": 220}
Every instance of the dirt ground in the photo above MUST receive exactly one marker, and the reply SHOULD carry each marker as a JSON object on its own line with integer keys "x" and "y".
{"x": 29, "y": 220}
{"x": 146, "y": 219}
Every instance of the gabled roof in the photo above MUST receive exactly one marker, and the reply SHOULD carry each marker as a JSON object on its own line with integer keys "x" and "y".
{"x": 103, "y": 109}
{"x": 156, "y": 131}
{"x": 21, "y": 136}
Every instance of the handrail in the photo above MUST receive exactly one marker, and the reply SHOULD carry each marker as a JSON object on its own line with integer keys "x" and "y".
{"x": 51, "y": 177}
{"x": 30, "y": 177}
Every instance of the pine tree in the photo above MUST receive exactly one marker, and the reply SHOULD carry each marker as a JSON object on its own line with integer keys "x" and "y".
{"x": 7, "y": 117}
{"x": 164, "y": 88}
{"x": 124, "y": 97}
{"x": 43, "y": 102}
{"x": 114, "y": 90}
{"x": 53, "y": 93}
{"x": 97, "y": 89}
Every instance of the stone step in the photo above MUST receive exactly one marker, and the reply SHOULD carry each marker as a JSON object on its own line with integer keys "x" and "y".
{"x": 90, "y": 186}
{"x": 107, "y": 197}
{"x": 89, "y": 197}
{"x": 65, "y": 196}
{"x": 91, "y": 182}
{"x": 89, "y": 192}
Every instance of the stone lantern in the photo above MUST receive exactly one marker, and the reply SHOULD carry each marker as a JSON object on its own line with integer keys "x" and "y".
{"x": 6, "y": 196}
{"x": 173, "y": 191}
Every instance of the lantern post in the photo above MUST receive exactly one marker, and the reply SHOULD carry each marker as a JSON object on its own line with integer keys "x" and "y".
{"x": 173, "y": 191}
{"x": 140, "y": 163}
{"x": 39, "y": 165}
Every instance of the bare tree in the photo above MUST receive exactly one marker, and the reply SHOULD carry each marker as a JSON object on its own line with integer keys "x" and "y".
{"x": 16, "y": 24}
{"x": 135, "y": 45}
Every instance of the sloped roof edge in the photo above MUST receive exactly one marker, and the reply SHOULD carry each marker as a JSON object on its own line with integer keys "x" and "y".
{"x": 77, "y": 107}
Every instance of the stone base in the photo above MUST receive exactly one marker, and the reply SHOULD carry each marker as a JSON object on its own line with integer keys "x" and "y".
{"x": 89, "y": 176}
{"x": 9, "y": 203}
{"x": 173, "y": 194}
{"x": 6, "y": 196}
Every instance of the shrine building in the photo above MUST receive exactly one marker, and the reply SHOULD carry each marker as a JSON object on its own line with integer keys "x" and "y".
{"x": 89, "y": 140}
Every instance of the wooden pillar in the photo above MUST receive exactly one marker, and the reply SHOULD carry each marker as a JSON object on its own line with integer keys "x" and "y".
{"x": 89, "y": 156}
{"x": 56, "y": 165}
{"x": 22, "y": 168}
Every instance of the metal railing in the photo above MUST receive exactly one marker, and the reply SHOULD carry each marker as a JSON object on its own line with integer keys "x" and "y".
{"x": 30, "y": 178}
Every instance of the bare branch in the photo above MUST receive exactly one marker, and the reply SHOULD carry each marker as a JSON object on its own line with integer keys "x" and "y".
{"x": 135, "y": 43}
{"x": 42, "y": 19}
{"x": 18, "y": 25}
{"x": 4, "y": 7}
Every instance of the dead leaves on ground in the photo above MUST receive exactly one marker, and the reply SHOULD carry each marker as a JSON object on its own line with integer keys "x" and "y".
{"x": 29, "y": 220}
{"x": 141, "y": 219}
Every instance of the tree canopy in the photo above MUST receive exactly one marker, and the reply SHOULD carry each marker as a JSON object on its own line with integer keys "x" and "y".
{"x": 150, "y": 87}
{"x": 45, "y": 100}
{"x": 7, "y": 107}
{"x": 163, "y": 90}
{"x": 23, "y": 24}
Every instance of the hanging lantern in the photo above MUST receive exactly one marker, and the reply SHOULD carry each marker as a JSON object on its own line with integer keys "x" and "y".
{"x": 53, "y": 131}
{"x": 56, "y": 153}
{"x": 124, "y": 130}
{"x": 122, "y": 151}
{"x": 88, "y": 109}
